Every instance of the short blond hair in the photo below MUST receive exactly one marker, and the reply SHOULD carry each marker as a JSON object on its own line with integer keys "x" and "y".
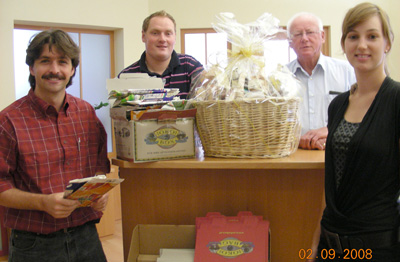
{"x": 162, "y": 13}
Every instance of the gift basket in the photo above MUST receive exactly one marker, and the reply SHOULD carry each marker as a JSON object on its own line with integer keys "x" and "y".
{"x": 242, "y": 111}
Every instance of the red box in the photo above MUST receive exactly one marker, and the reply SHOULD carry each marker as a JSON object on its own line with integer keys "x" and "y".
{"x": 241, "y": 238}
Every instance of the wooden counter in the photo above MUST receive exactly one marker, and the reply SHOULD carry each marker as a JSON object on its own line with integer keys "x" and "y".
{"x": 286, "y": 191}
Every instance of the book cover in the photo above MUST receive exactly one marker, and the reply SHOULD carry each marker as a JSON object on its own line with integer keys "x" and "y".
{"x": 87, "y": 190}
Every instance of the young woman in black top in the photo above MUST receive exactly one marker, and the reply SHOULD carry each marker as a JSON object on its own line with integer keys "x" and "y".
{"x": 361, "y": 221}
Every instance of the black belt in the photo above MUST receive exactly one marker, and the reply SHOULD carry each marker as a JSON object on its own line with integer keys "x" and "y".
{"x": 374, "y": 240}
{"x": 62, "y": 231}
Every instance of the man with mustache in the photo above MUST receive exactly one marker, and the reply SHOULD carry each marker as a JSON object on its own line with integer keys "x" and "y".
{"x": 48, "y": 138}
{"x": 160, "y": 59}
{"x": 323, "y": 77}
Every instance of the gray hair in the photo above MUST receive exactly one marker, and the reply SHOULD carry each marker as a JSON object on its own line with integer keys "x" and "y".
{"x": 303, "y": 14}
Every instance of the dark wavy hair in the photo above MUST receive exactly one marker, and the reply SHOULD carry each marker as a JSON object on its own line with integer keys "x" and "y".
{"x": 54, "y": 38}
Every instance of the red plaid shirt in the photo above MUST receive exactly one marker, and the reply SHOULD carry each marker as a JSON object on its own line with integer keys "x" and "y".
{"x": 41, "y": 150}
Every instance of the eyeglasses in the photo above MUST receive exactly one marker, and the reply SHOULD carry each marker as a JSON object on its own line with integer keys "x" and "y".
{"x": 298, "y": 35}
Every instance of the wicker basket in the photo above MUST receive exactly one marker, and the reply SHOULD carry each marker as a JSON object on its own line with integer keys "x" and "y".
{"x": 249, "y": 128}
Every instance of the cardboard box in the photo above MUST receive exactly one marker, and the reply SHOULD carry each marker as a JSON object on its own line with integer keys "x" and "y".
{"x": 147, "y": 240}
{"x": 156, "y": 135}
{"x": 240, "y": 238}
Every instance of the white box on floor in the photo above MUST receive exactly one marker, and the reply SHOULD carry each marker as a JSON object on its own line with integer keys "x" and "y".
{"x": 148, "y": 240}
{"x": 176, "y": 255}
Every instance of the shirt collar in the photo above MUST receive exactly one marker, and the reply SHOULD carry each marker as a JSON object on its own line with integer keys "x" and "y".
{"x": 174, "y": 62}
{"x": 321, "y": 63}
{"x": 45, "y": 107}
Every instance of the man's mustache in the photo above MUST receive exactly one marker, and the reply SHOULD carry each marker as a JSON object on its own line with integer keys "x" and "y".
{"x": 57, "y": 76}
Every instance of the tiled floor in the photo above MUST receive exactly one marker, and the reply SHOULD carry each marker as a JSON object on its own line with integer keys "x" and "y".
{"x": 112, "y": 245}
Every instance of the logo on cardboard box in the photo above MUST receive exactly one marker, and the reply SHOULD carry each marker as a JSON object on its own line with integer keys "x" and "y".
{"x": 124, "y": 132}
{"x": 230, "y": 247}
{"x": 166, "y": 137}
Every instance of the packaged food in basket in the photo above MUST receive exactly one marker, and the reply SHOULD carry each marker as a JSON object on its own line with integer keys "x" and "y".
{"x": 243, "y": 110}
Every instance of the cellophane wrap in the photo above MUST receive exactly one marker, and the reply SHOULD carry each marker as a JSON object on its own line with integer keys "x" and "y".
{"x": 239, "y": 103}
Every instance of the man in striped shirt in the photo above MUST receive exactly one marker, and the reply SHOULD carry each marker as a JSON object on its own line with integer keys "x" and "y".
{"x": 48, "y": 138}
{"x": 160, "y": 59}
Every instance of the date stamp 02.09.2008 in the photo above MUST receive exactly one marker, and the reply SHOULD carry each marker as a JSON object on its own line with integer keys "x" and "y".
{"x": 350, "y": 254}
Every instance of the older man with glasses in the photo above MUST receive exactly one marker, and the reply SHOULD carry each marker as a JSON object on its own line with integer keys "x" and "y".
{"x": 323, "y": 77}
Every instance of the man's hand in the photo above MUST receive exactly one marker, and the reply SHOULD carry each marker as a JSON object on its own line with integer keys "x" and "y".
{"x": 101, "y": 203}
{"x": 57, "y": 206}
{"x": 53, "y": 204}
{"x": 314, "y": 139}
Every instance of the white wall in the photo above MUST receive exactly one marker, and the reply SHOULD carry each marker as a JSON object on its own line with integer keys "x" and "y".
{"x": 126, "y": 17}
{"x": 123, "y": 16}
{"x": 200, "y": 14}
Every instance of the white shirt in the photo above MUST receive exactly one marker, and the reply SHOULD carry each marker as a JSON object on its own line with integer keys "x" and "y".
{"x": 330, "y": 74}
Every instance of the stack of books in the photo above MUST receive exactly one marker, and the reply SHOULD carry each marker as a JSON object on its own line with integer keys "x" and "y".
{"x": 140, "y": 92}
